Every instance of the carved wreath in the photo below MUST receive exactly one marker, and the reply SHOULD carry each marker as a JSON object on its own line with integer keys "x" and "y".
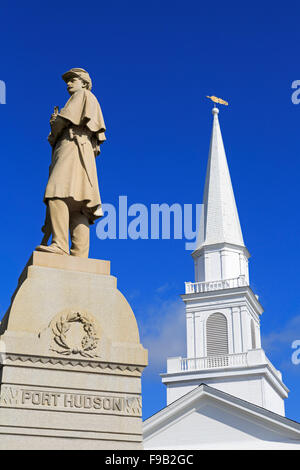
{"x": 89, "y": 341}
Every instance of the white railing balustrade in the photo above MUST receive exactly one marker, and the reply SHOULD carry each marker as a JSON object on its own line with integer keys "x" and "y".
{"x": 212, "y": 362}
{"x": 207, "y": 286}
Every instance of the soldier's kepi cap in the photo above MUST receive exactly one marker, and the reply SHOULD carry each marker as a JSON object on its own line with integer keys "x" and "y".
{"x": 80, "y": 73}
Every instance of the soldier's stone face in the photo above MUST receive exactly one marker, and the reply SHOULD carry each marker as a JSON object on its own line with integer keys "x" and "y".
{"x": 74, "y": 84}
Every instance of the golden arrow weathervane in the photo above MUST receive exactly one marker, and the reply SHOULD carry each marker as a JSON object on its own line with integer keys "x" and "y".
{"x": 217, "y": 100}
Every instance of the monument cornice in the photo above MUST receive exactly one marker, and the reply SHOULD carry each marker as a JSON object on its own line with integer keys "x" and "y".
{"x": 73, "y": 362}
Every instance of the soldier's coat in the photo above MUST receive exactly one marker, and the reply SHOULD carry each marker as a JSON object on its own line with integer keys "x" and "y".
{"x": 78, "y": 137}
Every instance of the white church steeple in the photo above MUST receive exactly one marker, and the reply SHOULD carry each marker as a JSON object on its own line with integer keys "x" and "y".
{"x": 220, "y": 250}
{"x": 220, "y": 221}
{"x": 222, "y": 312}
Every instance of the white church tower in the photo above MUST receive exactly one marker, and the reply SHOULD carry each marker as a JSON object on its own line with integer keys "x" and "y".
{"x": 222, "y": 311}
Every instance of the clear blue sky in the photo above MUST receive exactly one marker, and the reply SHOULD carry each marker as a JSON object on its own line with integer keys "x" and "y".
{"x": 152, "y": 64}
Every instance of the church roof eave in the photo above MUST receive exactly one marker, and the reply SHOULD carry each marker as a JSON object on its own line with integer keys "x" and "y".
{"x": 188, "y": 400}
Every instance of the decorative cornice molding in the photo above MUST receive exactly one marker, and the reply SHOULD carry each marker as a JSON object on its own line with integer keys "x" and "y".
{"x": 72, "y": 362}
{"x": 226, "y": 295}
{"x": 219, "y": 246}
{"x": 265, "y": 370}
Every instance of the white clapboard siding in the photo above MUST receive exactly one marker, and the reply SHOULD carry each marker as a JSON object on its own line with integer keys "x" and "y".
{"x": 217, "y": 335}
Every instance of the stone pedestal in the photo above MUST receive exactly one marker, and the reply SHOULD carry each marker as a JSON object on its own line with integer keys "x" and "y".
{"x": 72, "y": 359}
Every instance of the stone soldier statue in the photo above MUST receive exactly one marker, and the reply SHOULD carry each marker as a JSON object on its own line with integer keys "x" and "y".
{"x": 72, "y": 193}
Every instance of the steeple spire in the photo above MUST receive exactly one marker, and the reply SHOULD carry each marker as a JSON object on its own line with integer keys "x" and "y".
{"x": 219, "y": 219}
{"x": 220, "y": 252}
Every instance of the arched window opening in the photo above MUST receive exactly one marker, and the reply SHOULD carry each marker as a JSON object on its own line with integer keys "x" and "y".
{"x": 217, "y": 335}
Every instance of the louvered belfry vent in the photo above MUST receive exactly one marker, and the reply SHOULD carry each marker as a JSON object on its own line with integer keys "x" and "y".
{"x": 217, "y": 335}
